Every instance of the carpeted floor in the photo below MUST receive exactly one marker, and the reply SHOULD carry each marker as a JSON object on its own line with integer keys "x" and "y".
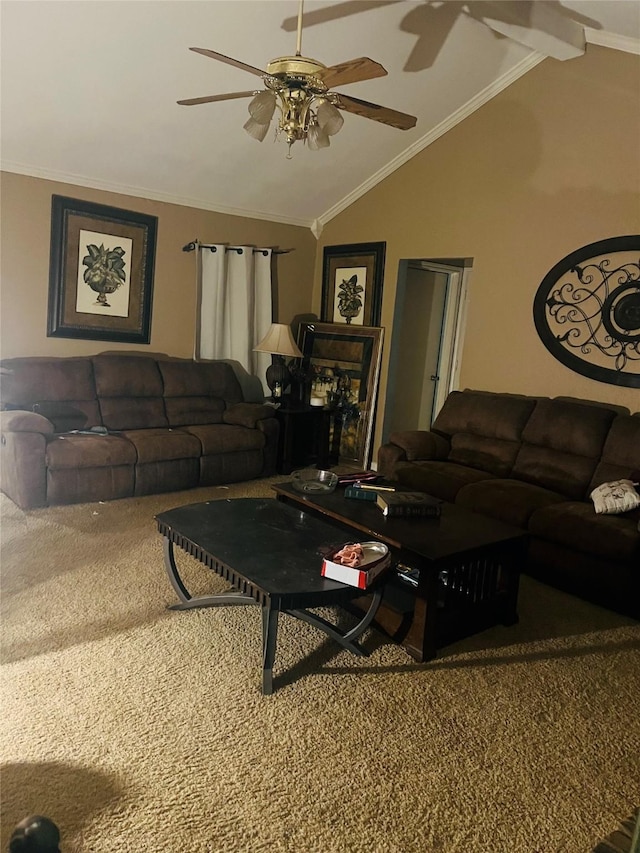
{"x": 144, "y": 730}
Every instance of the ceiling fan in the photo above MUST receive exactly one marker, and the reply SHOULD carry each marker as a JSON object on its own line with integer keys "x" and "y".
{"x": 301, "y": 88}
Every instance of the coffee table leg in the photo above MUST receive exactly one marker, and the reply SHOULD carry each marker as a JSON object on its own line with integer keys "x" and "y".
{"x": 420, "y": 640}
{"x": 346, "y": 640}
{"x": 269, "y": 637}
{"x": 187, "y": 601}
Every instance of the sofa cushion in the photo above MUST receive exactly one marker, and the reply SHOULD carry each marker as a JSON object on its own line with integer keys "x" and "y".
{"x": 501, "y": 416}
{"x": 247, "y": 414}
{"x": 621, "y": 453}
{"x": 120, "y": 413}
{"x": 510, "y": 501}
{"x": 440, "y": 479}
{"x": 197, "y": 392}
{"x": 225, "y": 438}
{"x": 34, "y": 378}
{"x": 562, "y": 443}
{"x": 484, "y": 428}
{"x": 88, "y": 451}
{"x": 157, "y": 445}
{"x": 573, "y": 428}
{"x": 183, "y": 411}
{"x": 126, "y": 376}
{"x": 575, "y": 525}
{"x": 48, "y": 381}
{"x": 486, "y": 454}
{"x": 63, "y": 416}
{"x": 200, "y": 379}
{"x": 129, "y": 390}
{"x": 420, "y": 444}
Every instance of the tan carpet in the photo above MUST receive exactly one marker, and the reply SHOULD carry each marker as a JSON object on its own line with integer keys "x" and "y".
{"x": 143, "y": 730}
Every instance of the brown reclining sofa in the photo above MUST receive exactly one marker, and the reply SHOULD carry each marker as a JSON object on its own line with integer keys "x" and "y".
{"x": 159, "y": 424}
{"x": 533, "y": 462}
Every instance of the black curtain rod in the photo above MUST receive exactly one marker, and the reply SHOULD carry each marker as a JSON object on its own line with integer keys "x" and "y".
{"x": 191, "y": 247}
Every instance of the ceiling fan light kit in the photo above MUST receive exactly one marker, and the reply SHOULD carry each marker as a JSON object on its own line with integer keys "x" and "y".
{"x": 300, "y": 87}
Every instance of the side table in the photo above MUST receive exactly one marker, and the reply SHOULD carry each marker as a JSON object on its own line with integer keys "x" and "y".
{"x": 304, "y": 436}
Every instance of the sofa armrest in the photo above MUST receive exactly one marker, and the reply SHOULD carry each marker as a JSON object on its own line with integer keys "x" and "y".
{"x": 420, "y": 444}
{"x": 23, "y": 421}
{"x": 270, "y": 427}
{"x": 247, "y": 414}
{"x": 389, "y": 457}
{"x": 23, "y": 447}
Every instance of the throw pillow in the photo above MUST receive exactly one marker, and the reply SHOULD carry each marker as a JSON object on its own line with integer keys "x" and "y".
{"x": 615, "y": 497}
{"x": 63, "y": 416}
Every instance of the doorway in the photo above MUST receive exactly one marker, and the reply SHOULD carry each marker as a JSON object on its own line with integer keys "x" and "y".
{"x": 426, "y": 341}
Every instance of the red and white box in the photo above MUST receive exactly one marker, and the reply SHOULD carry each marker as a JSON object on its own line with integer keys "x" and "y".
{"x": 375, "y": 559}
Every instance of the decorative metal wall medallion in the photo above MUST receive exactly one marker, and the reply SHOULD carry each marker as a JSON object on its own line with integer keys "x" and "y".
{"x": 587, "y": 311}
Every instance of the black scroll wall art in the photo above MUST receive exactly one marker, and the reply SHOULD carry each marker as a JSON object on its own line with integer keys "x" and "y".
{"x": 587, "y": 311}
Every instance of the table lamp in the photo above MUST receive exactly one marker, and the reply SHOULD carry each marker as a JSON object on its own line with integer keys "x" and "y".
{"x": 279, "y": 342}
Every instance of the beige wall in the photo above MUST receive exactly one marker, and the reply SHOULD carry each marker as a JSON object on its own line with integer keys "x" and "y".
{"x": 25, "y": 239}
{"x": 549, "y": 165}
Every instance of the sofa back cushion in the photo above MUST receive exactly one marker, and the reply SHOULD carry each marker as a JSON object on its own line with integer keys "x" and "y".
{"x": 129, "y": 390}
{"x": 484, "y": 428}
{"x": 33, "y": 383}
{"x": 562, "y": 443}
{"x": 197, "y": 392}
{"x": 621, "y": 453}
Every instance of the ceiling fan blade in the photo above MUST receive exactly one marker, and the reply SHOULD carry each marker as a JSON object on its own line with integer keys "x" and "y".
{"x": 222, "y": 58}
{"x": 402, "y": 121}
{"x": 351, "y": 71}
{"x": 208, "y": 99}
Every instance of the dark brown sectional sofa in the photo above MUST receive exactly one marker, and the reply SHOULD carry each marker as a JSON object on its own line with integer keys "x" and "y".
{"x": 533, "y": 462}
{"x": 164, "y": 424}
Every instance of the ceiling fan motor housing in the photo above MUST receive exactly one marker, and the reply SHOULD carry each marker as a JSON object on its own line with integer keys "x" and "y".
{"x": 293, "y": 66}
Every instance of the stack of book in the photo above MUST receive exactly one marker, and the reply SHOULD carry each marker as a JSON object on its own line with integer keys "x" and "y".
{"x": 366, "y": 491}
{"x": 395, "y": 502}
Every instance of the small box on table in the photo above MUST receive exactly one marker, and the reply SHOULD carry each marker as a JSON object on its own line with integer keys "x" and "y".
{"x": 376, "y": 558}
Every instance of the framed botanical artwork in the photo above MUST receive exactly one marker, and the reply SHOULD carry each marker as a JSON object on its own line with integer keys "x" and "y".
{"x": 100, "y": 272}
{"x": 343, "y": 363}
{"x": 352, "y": 277}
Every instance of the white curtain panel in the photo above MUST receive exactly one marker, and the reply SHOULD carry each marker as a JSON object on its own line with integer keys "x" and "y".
{"x": 235, "y": 305}
{"x": 263, "y": 311}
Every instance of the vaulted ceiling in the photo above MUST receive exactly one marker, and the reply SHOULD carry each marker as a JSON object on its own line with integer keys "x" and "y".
{"x": 89, "y": 89}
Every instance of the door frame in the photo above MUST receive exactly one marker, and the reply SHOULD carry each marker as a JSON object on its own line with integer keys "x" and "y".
{"x": 452, "y": 331}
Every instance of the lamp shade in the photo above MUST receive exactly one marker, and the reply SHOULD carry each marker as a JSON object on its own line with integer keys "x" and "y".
{"x": 279, "y": 341}
{"x": 316, "y": 137}
{"x": 263, "y": 106}
{"x": 329, "y": 118}
{"x": 255, "y": 129}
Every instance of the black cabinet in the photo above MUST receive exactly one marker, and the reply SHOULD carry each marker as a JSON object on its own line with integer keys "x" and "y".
{"x": 304, "y": 437}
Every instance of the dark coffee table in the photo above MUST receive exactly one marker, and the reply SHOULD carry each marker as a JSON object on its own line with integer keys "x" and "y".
{"x": 271, "y": 554}
{"x": 468, "y": 568}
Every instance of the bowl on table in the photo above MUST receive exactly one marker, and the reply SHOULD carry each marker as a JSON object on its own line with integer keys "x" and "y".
{"x": 312, "y": 481}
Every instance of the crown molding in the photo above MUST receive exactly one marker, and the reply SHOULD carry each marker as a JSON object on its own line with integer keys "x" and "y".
{"x": 150, "y": 195}
{"x": 612, "y": 40}
{"x": 439, "y": 130}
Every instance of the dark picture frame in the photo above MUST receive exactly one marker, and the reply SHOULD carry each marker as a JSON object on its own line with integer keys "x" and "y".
{"x": 100, "y": 272}
{"x": 352, "y": 277}
{"x": 343, "y": 362}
